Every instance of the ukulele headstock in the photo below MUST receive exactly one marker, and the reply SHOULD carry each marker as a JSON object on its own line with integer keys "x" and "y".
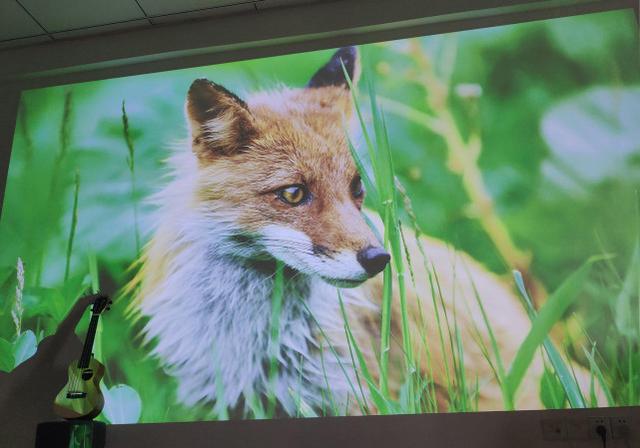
{"x": 101, "y": 303}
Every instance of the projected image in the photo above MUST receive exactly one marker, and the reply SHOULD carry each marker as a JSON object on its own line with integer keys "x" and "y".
{"x": 437, "y": 224}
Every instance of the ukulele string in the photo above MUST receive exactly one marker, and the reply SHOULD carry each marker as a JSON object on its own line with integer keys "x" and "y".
{"x": 73, "y": 382}
{"x": 80, "y": 366}
{"x": 76, "y": 372}
{"x": 76, "y": 381}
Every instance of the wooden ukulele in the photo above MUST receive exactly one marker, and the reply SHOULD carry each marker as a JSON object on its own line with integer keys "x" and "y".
{"x": 81, "y": 397}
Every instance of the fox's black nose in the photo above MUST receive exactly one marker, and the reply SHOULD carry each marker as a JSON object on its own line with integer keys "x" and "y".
{"x": 373, "y": 259}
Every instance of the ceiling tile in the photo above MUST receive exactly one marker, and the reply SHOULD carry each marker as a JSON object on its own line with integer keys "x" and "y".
{"x": 15, "y": 22}
{"x": 160, "y": 7}
{"x": 62, "y": 15}
{"x": 140, "y": 23}
{"x": 204, "y": 13}
{"x": 14, "y": 43}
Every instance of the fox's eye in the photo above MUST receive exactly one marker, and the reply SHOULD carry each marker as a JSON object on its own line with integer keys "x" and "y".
{"x": 293, "y": 195}
{"x": 357, "y": 190}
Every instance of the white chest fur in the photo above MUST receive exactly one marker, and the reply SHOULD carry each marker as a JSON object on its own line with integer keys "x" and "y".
{"x": 211, "y": 320}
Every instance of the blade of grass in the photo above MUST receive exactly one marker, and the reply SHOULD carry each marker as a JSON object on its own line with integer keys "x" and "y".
{"x": 434, "y": 285}
{"x": 255, "y": 405}
{"x": 369, "y": 143}
{"x": 540, "y": 328}
{"x": 395, "y": 240}
{"x": 408, "y": 208}
{"x": 385, "y": 213}
{"x": 23, "y": 128}
{"x": 274, "y": 336}
{"x": 93, "y": 271}
{"x": 221, "y": 406}
{"x": 72, "y": 227}
{"x": 352, "y": 345}
{"x": 337, "y": 357}
{"x": 541, "y": 325}
{"x": 330, "y": 396}
{"x": 303, "y": 407}
{"x": 422, "y": 324}
{"x": 132, "y": 172}
{"x": 379, "y": 399}
{"x": 369, "y": 184}
{"x": 592, "y": 385}
{"x": 53, "y": 207}
{"x": 450, "y": 329}
{"x": 382, "y": 162}
{"x": 501, "y": 375}
{"x": 595, "y": 368}
{"x": 461, "y": 375}
{"x": 550, "y": 395}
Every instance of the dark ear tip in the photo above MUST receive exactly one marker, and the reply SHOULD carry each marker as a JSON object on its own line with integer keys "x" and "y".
{"x": 349, "y": 53}
{"x": 204, "y": 90}
{"x": 332, "y": 73}
{"x": 199, "y": 84}
{"x": 348, "y": 56}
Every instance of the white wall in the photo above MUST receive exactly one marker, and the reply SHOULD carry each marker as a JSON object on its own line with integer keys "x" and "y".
{"x": 488, "y": 429}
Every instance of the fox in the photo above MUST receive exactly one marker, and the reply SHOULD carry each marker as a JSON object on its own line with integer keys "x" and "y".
{"x": 269, "y": 182}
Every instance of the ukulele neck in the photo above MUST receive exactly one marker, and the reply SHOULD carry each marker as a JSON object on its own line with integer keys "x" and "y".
{"x": 83, "y": 363}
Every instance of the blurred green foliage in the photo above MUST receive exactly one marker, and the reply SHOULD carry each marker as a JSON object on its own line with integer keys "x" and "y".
{"x": 560, "y": 158}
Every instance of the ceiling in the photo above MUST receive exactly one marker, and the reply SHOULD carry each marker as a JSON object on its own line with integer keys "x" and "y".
{"x": 28, "y": 22}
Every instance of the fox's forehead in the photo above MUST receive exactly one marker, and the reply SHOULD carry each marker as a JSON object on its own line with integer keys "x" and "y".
{"x": 293, "y": 101}
{"x": 304, "y": 131}
{"x": 324, "y": 111}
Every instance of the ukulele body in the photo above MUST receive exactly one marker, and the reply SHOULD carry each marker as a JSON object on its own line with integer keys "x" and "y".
{"x": 81, "y": 397}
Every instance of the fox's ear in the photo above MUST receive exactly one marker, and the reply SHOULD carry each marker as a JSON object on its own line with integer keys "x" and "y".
{"x": 332, "y": 74}
{"x": 219, "y": 121}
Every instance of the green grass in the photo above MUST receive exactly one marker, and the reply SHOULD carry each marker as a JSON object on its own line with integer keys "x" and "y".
{"x": 72, "y": 227}
{"x": 383, "y": 188}
{"x": 274, "y": 335}
{"x": 131, "y": 164}
{"x": 558, "y": 382}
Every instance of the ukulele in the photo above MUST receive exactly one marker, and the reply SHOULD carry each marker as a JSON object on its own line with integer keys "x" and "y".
{"x": 81, "y": 397}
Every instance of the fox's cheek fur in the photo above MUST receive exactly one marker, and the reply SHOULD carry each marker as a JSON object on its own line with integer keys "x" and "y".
{"x": 296, "y": 249}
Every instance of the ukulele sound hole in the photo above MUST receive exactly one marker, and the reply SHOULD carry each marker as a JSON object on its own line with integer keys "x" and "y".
{"x": 87, "y": 374}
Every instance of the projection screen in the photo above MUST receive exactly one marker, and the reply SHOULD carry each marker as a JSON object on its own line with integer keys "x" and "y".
{"x": 445, "y": 223}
